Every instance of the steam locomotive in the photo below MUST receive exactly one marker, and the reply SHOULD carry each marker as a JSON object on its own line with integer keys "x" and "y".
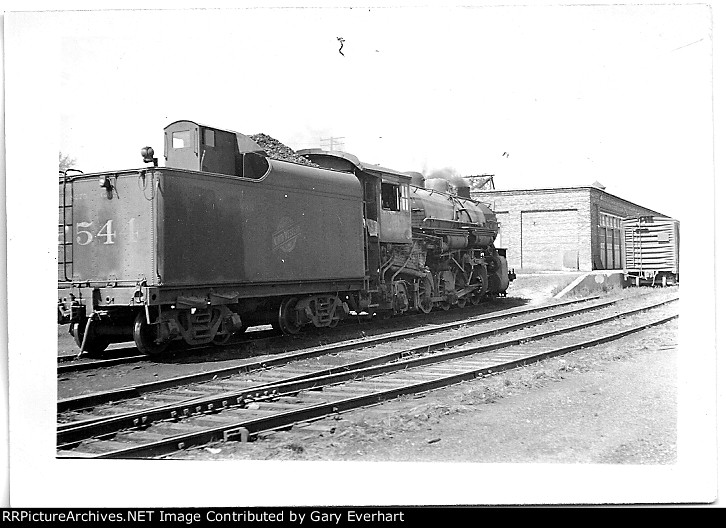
{"x": 224, "y": 237}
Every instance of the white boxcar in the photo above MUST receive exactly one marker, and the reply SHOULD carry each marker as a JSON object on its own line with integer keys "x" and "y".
{"x": 651, "y": 245}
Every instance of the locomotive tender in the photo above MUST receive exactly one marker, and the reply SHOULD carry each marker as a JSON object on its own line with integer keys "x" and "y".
{"x": 224, "y": 237}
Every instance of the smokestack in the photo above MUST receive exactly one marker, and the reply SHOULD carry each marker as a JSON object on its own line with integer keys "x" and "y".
{"x": 457, "y": 184}
{"x": 460, "y": 186}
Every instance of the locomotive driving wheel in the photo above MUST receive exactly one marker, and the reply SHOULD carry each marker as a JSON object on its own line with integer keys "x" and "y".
{"x": 479, "y": 278}
{"x": 425, "y": 304}
{"x": 286, "y": 319}
{"x": 145, "y": 336}
{"x": 460, "y": 282}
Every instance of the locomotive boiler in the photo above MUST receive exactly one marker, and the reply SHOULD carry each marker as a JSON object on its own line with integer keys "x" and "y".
{"x": 431, "y": 247}
{"x": 224, "y": 236}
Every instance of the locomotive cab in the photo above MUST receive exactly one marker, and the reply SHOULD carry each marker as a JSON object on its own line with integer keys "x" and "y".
{"x": 189, "y": 145}
{"x": 393, "y": 200}
{"x": 386, "y": 193}
{"x": 386, "y": 211}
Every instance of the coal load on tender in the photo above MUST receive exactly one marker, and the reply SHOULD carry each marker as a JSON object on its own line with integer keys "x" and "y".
{"x": 279, "y": 151}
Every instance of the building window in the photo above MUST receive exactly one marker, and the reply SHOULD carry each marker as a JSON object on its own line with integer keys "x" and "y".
{"x": 616, "y": 250}
{"x": 610, "y": 249}
{"x": 609, "y": 230}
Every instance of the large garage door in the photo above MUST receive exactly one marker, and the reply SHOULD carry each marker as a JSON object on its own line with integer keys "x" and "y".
{"x": 549, "y": 240}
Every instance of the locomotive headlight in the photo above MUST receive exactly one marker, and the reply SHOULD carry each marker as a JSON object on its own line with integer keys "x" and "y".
{"x": 148, "y": 154}
{"x": 104, "y": 181}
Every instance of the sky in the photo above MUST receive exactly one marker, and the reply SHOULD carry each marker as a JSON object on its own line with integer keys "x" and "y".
{"x": 621, "y": 94}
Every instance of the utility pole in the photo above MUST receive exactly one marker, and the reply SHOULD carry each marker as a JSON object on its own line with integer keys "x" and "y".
{"x": 335, "y": 143}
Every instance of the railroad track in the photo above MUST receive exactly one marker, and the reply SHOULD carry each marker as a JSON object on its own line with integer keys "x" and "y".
{"x": 121, "y": 355}
{"x": 68, "y": 363}
{"x": 528, "y": 314}
{"x": 302, "y": 387}
{"x": 71, "y": 363}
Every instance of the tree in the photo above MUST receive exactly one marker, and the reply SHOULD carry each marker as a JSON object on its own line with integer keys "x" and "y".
{"x": 65, "y": 162}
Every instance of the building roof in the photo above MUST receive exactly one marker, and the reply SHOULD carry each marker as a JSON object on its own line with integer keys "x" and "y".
{"x": 550, "y": 190}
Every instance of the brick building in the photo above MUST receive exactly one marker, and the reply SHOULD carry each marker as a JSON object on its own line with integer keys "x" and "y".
{"x": 561, "y": 229}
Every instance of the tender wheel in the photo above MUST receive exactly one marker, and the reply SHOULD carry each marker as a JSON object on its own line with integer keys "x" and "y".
{"x": 94, "y": 344}
{"x": 444, "y": 305}
{"x": 221, "y": 339}
{"x": 286, "y": 320}
{"x": 145, "y": 337}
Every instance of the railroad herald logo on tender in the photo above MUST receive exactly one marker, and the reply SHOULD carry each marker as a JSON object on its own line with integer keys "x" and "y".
{"x": 285, "y": 236}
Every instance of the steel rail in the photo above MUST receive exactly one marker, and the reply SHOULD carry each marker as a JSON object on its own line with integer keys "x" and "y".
{"x": 131, "y": 419}
{"x": 97, "y": 398}
{"x": 121, "y": 394}
{"x": 68, "y": 363}
{"x": 77, "y": 431}
{"x": 67, "y": 366}
{"x": 283, "y": 419}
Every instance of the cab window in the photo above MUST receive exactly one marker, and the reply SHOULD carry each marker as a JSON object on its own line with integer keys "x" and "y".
{"x": 181, "y": 139}
{"x": 209, "y": 137}
{"x": 390, "y": 197}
